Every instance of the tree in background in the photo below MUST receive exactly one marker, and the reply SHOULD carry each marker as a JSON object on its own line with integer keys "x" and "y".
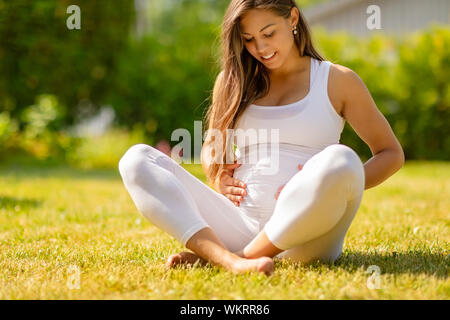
{"x": 157, "y": 70}
{"x": 40, "y": 55}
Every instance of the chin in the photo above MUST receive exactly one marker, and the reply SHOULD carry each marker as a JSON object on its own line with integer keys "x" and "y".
{"x": 273, "y": 66}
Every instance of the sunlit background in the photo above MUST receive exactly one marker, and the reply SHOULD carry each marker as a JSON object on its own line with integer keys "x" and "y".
{"x": 72, "y": 101}
{"x": 137, "y": 70}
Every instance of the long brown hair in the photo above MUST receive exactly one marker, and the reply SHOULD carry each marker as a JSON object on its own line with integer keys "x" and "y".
{"x": 243, "y": 79}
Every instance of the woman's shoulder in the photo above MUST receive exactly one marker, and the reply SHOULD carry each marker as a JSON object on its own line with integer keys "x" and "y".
{"x": 339, "y": 73}
{"x": 341, "y": 83}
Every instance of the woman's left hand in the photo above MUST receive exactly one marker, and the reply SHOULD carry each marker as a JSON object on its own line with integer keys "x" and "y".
{"x": 300, "y": 167}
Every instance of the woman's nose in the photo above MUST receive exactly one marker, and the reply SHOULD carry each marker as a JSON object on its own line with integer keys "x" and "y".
{"x": 260, "y": 47}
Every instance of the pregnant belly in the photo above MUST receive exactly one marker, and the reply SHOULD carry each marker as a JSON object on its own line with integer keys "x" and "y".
{"x": 263, "y": 176}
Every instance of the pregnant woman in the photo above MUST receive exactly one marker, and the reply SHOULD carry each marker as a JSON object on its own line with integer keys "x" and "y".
{"x": 295, "y": 203}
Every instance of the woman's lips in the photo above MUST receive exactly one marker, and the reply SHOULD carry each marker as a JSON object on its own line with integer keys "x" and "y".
{"x": 270, "y": 59}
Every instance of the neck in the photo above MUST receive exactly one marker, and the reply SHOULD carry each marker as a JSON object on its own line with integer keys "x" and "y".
{"x": 293, "y": 65}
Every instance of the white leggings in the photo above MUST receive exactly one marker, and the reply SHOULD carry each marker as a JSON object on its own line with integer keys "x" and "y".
{"x": 311, "y": 216}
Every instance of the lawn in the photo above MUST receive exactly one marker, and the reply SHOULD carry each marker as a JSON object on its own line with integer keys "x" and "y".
{"x": 72, "y": 234}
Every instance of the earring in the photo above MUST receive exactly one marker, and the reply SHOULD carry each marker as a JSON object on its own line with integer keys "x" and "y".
{"x": 295, "y": 31}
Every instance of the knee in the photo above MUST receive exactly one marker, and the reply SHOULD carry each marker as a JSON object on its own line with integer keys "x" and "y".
{"x": 342, "y": 159}
{"x": 342, "y": 162}
{"x": 133, "y": 159}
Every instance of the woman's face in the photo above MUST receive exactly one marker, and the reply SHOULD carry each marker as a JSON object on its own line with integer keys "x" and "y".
{"x": 268, "y": 37}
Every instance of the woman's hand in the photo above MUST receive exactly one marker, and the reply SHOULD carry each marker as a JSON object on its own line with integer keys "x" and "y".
{"x": 232, "y": 188}
{"x": 300, "y": 167}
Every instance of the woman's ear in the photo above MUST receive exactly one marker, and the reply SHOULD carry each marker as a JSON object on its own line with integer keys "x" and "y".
{"x": 294, "y": 16}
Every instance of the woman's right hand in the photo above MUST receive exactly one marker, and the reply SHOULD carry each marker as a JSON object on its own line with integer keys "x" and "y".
{"x": 232, "y": 188}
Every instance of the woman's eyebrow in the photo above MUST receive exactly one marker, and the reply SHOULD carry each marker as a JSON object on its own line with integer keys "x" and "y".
{"x": 271, "y": 24}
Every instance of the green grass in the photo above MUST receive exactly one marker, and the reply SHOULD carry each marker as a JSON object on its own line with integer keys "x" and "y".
{"x": 54, "y": 219}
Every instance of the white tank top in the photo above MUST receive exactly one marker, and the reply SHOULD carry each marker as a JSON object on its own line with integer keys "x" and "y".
{"x": 310, "y": 123}
{"x": 305, "y": 128}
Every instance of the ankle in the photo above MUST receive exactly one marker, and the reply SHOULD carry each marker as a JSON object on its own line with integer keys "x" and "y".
{"x": 231, "y": 259}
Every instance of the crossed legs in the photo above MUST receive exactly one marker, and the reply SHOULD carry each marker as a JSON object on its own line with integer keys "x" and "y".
{"x": 313, "y": 204}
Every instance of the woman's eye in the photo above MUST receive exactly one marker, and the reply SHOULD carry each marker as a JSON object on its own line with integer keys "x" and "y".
{"x": 266, "y": 35}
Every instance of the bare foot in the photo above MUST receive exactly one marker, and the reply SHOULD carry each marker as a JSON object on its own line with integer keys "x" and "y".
{"x": 186, "y": 258}
{"x": 263, "y": 264}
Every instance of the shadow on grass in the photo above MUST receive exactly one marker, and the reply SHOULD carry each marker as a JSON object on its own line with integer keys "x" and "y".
{"x": 23, "y": 203}
{"x": 61, "y": 171}
{"x": 23, "y": 166}
{"x": 410, "y": 262}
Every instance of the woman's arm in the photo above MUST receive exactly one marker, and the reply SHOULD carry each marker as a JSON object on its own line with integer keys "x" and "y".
{"x": 361, "y": 112}
{"x": 381, "y": 166}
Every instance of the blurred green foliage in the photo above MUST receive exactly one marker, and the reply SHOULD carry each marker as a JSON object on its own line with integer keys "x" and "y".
{"x": 39, "y": 54}
{"x": 40, "y": 135}
{"x": 8, "y": 128}
{"x": 162, "y": 80}
{"x": 104, "y": 151}
{"x": 303, "y": 4}
{"x": 408, "y": 78}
